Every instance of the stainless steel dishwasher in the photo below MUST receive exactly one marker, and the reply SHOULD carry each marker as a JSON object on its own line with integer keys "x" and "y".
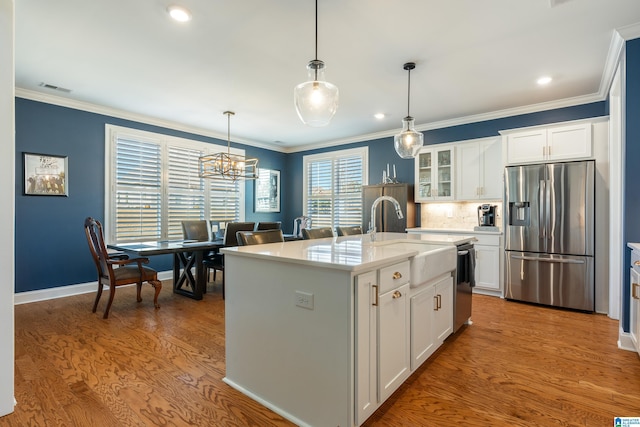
{"x": 465, "y": 281}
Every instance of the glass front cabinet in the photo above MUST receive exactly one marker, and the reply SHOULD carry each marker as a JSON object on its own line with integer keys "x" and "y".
{"x": 434, "y": 174}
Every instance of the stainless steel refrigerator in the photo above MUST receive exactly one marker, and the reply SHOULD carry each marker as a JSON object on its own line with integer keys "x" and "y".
{"x": 549, "y": 229}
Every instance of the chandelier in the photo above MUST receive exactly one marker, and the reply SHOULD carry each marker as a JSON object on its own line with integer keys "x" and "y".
{"x": 409, "y": 141}
{"x": 228, "y": 166}
{"x": 316, "y": 100}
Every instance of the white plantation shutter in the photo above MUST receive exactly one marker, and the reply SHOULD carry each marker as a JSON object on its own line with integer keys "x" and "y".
{"x": 333, "y": 187}
{"x": 153, "y": 185}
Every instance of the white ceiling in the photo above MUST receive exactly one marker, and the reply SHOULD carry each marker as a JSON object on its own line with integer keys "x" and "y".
{"x": 473, "y": 58}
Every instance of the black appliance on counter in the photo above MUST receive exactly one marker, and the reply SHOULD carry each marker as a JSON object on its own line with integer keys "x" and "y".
{"x": 465, "y": 281}
{"x": 487, "y": 215}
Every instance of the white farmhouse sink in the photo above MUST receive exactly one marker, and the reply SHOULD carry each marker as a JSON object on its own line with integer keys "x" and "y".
{"x": 431, "y": 261}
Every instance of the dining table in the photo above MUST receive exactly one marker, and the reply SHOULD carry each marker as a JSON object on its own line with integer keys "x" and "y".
{"x": 188, "y": 255}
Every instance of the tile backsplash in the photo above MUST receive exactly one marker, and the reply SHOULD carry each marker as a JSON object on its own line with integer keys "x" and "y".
{"x": 458, "y": 215}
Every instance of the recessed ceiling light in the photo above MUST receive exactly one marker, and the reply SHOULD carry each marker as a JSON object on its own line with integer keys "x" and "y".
{"x": 545, "y": 80}
{"x": 379, "y": 116}
{"x": 179, "y": 13}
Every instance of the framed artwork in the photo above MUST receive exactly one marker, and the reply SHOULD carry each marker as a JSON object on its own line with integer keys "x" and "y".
{"x": 45, "y": 175}
{"x": 267, "y": 191}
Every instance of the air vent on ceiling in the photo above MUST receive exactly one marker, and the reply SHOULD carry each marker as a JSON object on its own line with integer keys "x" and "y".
{"x": 54, "y": 87}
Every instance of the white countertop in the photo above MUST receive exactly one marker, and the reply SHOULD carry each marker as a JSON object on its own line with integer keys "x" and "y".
{"x": 352, "y": 253}
{"x": 634, "y": 246}
{"x": 453, "y": 231}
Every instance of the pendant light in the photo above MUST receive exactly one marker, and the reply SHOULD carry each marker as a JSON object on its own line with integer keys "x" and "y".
{"x": 316, "y": 100}
{"x": 227, "y": 166}
{"x": 409, "y": 141}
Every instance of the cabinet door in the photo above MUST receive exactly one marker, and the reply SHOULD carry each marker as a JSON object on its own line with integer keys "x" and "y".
{"x": 393, "y": 340}
{"x": 468, "y": 183}
{"x": 487, "y": 267}
{"x": 366, "y": 396}
{"x": 635, "y": 309}
{"x": 491, "y": 169}
{"x": 526, "y": 146}
{"x": 569, "y": 142}
{"x": 423, "y": 344}
{"x": 444, "y": 174}
{"x": 443, "y": 315}
{"x": 423, "y": 175}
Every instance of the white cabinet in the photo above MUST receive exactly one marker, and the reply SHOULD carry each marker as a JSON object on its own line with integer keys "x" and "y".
{"x": 551, "y": 143}
{"x": 488, "y": 260}
{"x": 434, "y": 174}
{"x": 479, "y": 169}
{"x": 634, "y": 325}
{"x": 382, "y": 336}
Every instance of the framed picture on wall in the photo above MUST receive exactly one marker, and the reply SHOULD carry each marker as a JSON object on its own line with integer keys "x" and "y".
{"x": 45, "y": 175}
{"x": 267, "y": 191}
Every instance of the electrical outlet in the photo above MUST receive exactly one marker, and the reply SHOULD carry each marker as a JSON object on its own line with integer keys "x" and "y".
{"x": 304, "y": 300}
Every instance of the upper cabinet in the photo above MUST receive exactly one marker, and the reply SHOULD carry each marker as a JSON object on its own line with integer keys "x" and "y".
{"x": 435, "y": 173}
{"x": 479, "y": 169}
{"x": 548, "y": 143}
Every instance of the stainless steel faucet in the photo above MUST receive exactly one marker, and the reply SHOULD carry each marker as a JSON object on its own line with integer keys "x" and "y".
{"x": 376, "y": 202}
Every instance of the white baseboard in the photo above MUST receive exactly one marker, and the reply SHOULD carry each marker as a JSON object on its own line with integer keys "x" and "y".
{"x": 67, "y": 291}
{"x": 625, "y": 342}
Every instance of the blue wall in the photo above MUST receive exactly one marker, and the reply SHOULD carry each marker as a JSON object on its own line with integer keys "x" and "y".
{"x": 51, "y": 249}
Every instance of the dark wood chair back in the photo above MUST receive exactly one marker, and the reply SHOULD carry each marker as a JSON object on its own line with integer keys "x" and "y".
{"x": 259, "y": 237}
{"x": 349, "y": 231}
{"x": 316, "y": 233}
{"x": 199, "y": 230}
{"x": 230, "y": 238}
{"x": 128, "y": 271}
{"x": 276, "y": 225}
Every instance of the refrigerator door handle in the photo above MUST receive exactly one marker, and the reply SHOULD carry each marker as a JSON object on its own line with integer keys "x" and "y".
{"x": 555, "y": 260}
{"x": 542, "y": 227}
{"x": 547, "y": 223}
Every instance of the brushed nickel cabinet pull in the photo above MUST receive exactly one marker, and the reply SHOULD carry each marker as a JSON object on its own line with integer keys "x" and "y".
{"x": 397, "y": 294}
{"x": 375, "y": 294}
{"x": 397, "y": 275}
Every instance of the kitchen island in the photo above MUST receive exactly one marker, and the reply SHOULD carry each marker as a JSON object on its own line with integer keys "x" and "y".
{"x": 323, "y": 331}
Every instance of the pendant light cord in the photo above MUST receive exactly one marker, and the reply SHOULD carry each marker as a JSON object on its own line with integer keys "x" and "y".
{"x": 315, "y": 78}
{"x": 408, "y": 92}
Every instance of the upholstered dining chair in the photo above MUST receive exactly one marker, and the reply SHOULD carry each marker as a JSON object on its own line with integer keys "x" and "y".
{"x": 128, "y": 271}
{"x": 259, "y": 237}
{"x": 230, "y": 239}
{"x": 200, "y": 230}
{"x": 275, "y": 225}
{"x": 349, "y": 231}
{"x": 316, "y": 233}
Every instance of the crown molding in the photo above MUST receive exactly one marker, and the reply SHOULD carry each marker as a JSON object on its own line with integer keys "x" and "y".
{"x": 126, "y": 115}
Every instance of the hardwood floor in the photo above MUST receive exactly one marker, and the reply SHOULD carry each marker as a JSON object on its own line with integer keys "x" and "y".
{"x": 517, "y": 365}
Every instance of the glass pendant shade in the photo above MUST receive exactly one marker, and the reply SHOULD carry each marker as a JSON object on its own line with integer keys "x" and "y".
{"x": 316, "y": 100}
{"x": 408, "y": 142}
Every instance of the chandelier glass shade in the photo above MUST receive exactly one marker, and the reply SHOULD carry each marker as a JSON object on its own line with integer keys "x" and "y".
{"x": 227, "y": 166}
{"x": 316, "y": 100}
{"x": 409, "y": 141}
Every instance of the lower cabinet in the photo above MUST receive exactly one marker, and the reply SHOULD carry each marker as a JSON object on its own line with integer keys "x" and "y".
{"x": 488, "y": 260}
{"x": 634, "y": 314}
{"x": 431, "y": 318}
{"x": 382, "y": 336}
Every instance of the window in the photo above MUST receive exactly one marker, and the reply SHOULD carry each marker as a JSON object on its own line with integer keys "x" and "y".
{"x": 152, "y": 185}
{"x": 333, "y": 187}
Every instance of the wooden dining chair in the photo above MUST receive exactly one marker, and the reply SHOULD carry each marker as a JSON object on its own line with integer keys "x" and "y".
{"x": 128, "y": 271}
{"x": 316, "y": 233}
{"x": 349, "y": 231}
{"x": 230, "y": 239}
{"x": 258, "y": 237}
{"x": 200, "y": 230}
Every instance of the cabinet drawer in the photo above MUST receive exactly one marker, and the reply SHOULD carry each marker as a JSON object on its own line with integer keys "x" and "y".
{"x": 393, "y": 276}
{"x": 488, "y": 240}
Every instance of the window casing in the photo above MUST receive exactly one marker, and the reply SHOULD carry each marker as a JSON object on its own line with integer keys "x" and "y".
{"x": 333, "y": 187}
{"x": 152, "y": 185}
